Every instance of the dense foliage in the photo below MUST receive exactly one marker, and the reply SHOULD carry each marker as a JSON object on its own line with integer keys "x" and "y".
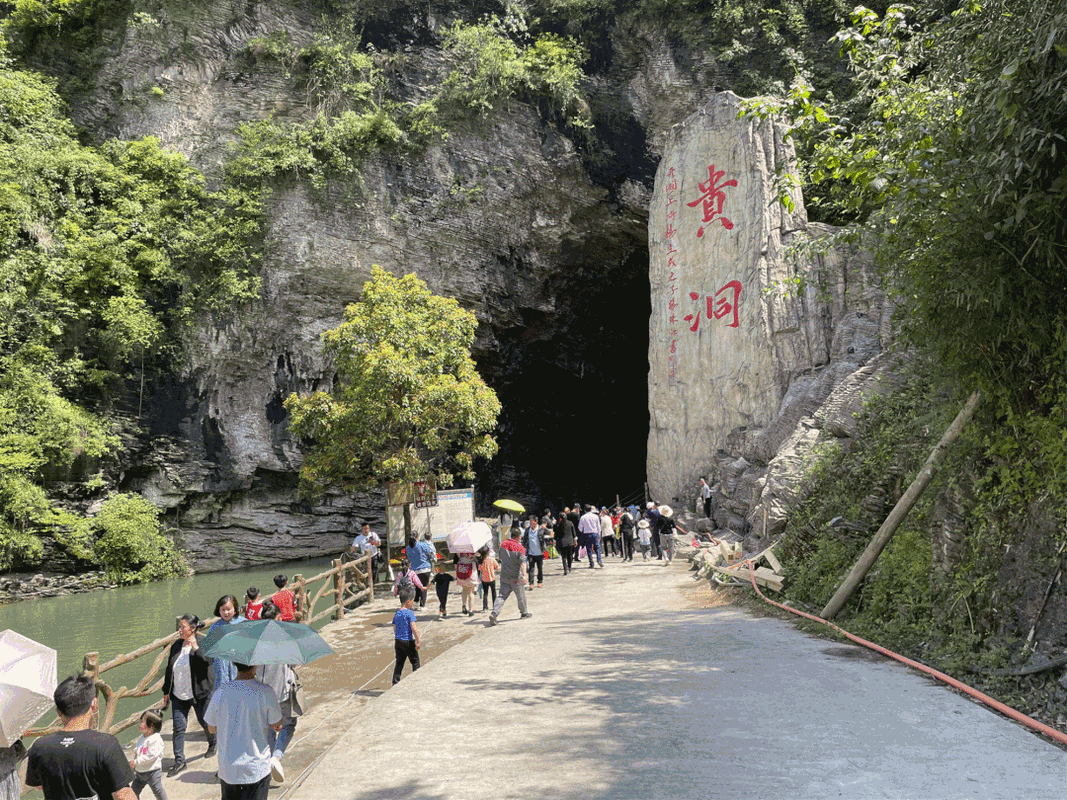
{"x": 130, "y": 544}
{"x": 952, "y": 157}
{"x": 950, "y": 164}
{"x": 407, "y": 402}
{"x": 104, "y": 253}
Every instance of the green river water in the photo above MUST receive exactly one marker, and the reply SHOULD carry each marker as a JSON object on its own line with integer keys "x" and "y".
{"x": 117, "y": 621}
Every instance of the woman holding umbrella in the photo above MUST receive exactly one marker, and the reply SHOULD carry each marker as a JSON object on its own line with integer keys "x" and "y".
{"x": 464, "y": 541}
{"x": 27, "y": 683}
{"x": 187, "y": 682}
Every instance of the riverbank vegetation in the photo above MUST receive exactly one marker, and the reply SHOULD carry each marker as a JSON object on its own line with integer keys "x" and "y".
{"x": 105, "y": 255}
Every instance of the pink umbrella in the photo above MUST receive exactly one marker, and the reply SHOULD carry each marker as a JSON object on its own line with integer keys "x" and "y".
{"x": 469, "y": 537}
{"x": 27, "y": 681}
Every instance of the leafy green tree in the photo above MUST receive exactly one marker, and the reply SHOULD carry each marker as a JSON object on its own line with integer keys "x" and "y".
{"x": 953, "y": 157}
{"x": 407, "y": 402}
{"x": 105, "y": 254}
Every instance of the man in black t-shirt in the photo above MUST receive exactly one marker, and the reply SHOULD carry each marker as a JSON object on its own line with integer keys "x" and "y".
{"x": 78, "y": 763}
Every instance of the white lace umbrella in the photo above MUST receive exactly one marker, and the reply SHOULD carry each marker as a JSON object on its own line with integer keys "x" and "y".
{"x": 27, "y": 681}
{"x": 469, "y": 537}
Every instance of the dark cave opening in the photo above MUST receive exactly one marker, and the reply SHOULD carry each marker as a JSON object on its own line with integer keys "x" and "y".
{"x": 574, "y": 390}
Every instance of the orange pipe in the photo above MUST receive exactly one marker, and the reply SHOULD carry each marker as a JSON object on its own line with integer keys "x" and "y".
{"x": 1018, "y": 716}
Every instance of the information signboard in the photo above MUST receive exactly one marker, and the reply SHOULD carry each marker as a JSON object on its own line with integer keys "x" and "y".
{"x": 453, "y": 507}
{"x": 425, "y": 494}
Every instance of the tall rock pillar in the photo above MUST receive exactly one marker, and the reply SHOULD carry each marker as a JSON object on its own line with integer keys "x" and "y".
{"x": 729, "y": 325}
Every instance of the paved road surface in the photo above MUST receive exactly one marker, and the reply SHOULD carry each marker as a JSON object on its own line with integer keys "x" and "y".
{"x": 619, "y": 687}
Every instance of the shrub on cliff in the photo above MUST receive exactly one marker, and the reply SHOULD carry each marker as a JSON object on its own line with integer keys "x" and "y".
{"x": 130, "y": 545}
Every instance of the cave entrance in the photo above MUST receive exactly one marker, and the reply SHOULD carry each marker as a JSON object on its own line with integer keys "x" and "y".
{"x": 574, "y": 389}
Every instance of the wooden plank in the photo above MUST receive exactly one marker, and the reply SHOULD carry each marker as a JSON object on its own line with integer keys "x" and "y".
{"x": 768, "y": 578}
{"x": 776, "y": 565}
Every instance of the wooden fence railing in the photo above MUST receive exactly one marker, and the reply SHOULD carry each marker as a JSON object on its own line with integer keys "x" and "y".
{"x": 345, "y": 583}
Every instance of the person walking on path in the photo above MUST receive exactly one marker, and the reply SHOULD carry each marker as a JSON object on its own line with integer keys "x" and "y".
{"x": 253, "y": 604}
{"x": 423, "y": 556}
{"x": 406, "y": 641}
{"x": 226, "y": 609}
{"x": 488, "y": 567}
{"x": 626, "y": 534}
{"x": 78, "y": 762}
{"x": 644, "y": 538}
{"x": 284, "y": 682}
{"x": 241, "y": 713}
{"x": 607, "y": 533}
{"x": 653, "y": 526}
{"x": 589, "y": 528}
{"x": 284, "y": 599}
{"x": 565, "y": 540}
{"x": 187, "y": 685}
{"x": 705, "y": 496}
{"x": 441, "y": 579}
{"x": 407, "y": 579}
{"x": 147, "y": 760}
{"x": 534, "y": 542}
{"x": 512, "y": 576}
{"x": 468, "y": 580}
{"x": 667, "y": 524}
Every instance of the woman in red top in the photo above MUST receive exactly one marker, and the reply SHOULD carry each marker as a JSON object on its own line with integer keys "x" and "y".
{"x": 283, "y": 598}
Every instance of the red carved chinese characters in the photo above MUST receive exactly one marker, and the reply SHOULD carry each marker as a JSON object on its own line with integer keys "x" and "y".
{"x": 724, "y": 302}
{"x": 713, "y": 196}
{"x": 672, "y": 304}
{"x": 694, "y": 318}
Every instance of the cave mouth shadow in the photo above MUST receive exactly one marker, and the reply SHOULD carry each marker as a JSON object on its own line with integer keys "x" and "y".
{"x": 573, "y": 385}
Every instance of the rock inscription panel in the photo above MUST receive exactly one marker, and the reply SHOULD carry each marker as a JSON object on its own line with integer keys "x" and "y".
{"x": 726, "y": 331}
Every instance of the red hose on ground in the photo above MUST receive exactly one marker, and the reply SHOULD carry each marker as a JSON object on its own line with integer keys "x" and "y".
{"x": 1018, "y": 716}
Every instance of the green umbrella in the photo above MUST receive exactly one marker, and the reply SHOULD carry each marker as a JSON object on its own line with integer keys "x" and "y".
{"x": 265, "y": 641}
{"x": 510, "y": 505}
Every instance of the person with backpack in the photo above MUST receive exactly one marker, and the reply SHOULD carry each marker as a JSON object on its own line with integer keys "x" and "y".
{"x": 423, "y": 556}
{"x": 487, "y": 570}
{"x": 468, "y": 580}
{"x": 406, "y": 578}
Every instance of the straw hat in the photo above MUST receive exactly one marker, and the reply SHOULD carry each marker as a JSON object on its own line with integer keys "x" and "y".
{"x": 666, "y": 511}
{"x": 642, "y": 523}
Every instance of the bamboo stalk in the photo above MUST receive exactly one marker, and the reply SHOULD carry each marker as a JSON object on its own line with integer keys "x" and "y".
{"x": 900, "y": 510}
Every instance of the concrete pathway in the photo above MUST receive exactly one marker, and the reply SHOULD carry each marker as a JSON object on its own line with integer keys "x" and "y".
{"x": 619, "y": 687}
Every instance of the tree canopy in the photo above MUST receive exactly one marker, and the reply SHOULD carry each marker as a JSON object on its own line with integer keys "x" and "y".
{"x": 407, "y": 401}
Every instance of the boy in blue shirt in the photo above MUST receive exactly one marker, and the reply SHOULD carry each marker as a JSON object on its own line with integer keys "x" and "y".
{"x": 406, "y": 631}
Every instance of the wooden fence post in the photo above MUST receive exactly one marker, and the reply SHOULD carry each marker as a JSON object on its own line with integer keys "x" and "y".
{"x": 299, "y": 598}
{"x": 370, "y": 580}
{"x": 339, "y": 585}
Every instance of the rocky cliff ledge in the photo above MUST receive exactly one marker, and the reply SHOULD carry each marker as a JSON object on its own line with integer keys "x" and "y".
{"x": 546, "y": 239}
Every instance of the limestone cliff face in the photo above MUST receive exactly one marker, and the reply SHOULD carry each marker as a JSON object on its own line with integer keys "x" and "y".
{"x": 748, "y": 340}
{"x": 546, "y": 242}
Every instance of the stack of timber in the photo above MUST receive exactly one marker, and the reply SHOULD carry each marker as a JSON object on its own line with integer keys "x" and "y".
{"x": 724, "y": 562}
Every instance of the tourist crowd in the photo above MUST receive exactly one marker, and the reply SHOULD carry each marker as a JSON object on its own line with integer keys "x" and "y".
{"x": 249, "y": 713}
